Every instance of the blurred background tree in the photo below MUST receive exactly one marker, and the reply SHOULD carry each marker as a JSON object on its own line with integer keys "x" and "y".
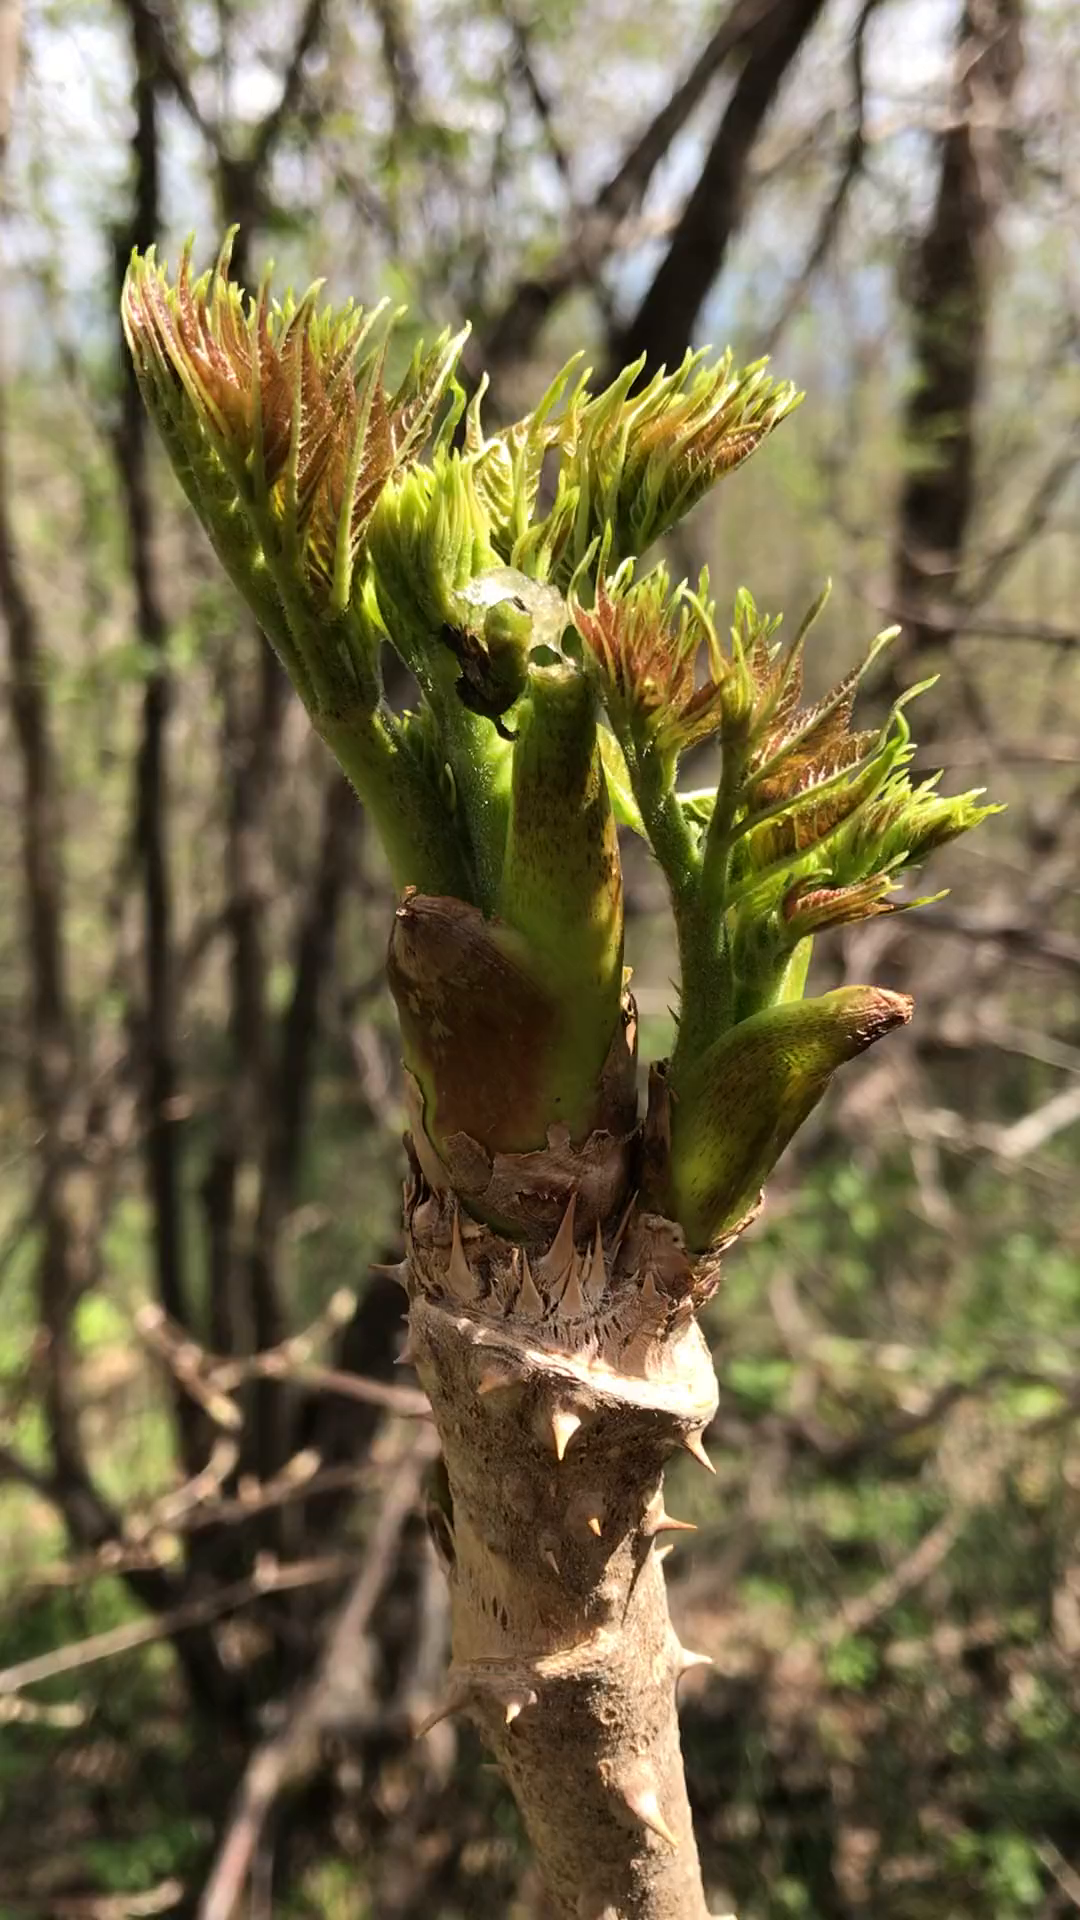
{"x": 220, "y": 1616}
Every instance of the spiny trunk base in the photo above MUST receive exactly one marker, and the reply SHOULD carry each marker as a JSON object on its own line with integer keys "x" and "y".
{"x": 562, "y": 1380}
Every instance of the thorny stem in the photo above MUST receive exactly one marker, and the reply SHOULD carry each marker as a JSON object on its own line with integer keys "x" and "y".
{"x": 559, "y": 1389}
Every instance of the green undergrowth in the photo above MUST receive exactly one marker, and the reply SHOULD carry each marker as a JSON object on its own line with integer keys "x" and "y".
{"x": 910, "y": 1754}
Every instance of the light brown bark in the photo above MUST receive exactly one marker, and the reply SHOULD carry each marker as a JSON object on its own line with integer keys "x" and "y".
{"x": 564, "y": 1373}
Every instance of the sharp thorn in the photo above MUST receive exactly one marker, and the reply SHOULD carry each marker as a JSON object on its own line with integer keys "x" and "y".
{"x": 397, "y": 1269}
{"x": 652, "y": 1298}
{"x": 624, "y": 1222}
{"x": 452, "y": 1704}
{"x": 687, "y": 1660}
{"x": 514, "y": 1700}
{"x": 459, "y": 1276}
{"x": 528, "y": 1304}
{"x": 573, "y": 1303}
{"x": 559, "y": 1258}
{"x": 596, "y": 1281}
{"x": 662, "y": 1553}
{"x": 657, "y": 1520}
{"x": 695, "y": 1445}
{"x": 495, "y": 1378}
{"x": 549, "y": 1559}
{"x": 593, "y": 1524}
{"x": 668, "y": 1524}
{"x": 564, "y": 1425}
{"x": 646, "y": 1806}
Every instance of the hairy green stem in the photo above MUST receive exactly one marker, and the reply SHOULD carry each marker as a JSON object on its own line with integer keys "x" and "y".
{"x": 480, "y": 764}
{"x": 562, "y": 882}
{"x": 413, "y": 822}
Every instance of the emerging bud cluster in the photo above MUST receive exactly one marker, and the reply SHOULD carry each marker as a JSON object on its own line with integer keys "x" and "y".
{"x": 812, "y": 825}
{"x": 644, "y": 459}
{"x": 631, "y": 464}
{"x": 284, "y": 435}
{"x": 559, "y": 685}
{"x": 644, "y": 644}
{"x": 813, "y": 819}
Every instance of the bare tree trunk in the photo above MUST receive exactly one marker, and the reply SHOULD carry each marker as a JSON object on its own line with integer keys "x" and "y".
{"x": 664, "y": 323}
{"x": 291, "y": 1080}
{"x": 50, "y": 1053}
{"x": 512, "y": 336}
{"x": 255, "y": 695}
{"x": 69, "y": 1197}
{"x": 248, "y": 1183}
{"x": 288, "y": 1089}
{"x": 155, "y": 1022}
{"x": 952, "y": 284}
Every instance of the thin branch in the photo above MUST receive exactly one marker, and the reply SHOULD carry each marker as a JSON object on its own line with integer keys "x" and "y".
{"x": 1002, "y": 1143}
{"x": 664, "y": 322}
{"x": 290, "y": 1079}
{"x": 348, "y": 1386}
{"x": 990, "y": 626}
{"x": 525, "y": 66}
{"x": 15, "y": 1708}
{"x": 244, "y": 1312}
{"x": 212, "y": 1378}
{"x": 268, "y": 1578}
{"x": 850, "y": 170}
{"x": 292, "y": 1752}
{"x": 159, "y": 34}
{"x": 273, "y": 124}
{"x": 808, "y": 1345}
{"x": 968, "y": 1034}
{"x": 1038, "y": 1128}
{"x": 156, "y": 1031}
{"x": 1036, "y": 940}
{"x": 67, "y": 1237}
{"x": 1059, "y": 1870}
{"x": 1030, "y": 523}
{"x": 951, "y": 289}
{"x": 399, "y": 61}
{"x": 152, "y": 1547}
{"x": 1058, "y": 750}
{"x": 512, "y": 336}
{"x": 859, "y": 1614}
{"x": 96, "y": 1906}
